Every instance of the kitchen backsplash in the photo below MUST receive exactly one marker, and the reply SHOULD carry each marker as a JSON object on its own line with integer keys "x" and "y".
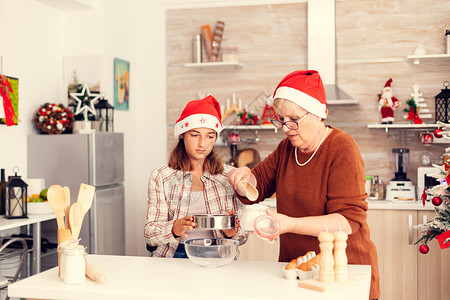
{"x": 372, "y": 45}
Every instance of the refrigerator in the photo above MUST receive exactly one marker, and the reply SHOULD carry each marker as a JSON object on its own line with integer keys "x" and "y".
{"x": 96, "y": 159}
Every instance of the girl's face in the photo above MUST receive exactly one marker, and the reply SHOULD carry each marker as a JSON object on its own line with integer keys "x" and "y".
{"x": 305, "y": 135}
{"x": 199, "y": 142}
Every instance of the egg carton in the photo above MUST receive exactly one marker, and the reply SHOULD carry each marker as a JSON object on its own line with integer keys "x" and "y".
{"x": 297, "y": 274}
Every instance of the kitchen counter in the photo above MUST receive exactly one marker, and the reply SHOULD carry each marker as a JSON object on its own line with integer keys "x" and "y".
{"x": 132, "y": 277}
{"x": 379, "y": 204}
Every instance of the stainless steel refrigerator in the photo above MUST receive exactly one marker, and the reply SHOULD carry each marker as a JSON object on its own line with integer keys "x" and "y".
{"x": 96, "y": 159}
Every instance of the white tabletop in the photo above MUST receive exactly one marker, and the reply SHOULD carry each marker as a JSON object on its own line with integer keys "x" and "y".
{"x": 131, "y": 277}
{"x": 32, "y": 219}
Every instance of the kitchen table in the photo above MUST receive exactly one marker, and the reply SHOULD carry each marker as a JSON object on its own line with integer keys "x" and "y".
{"x": 35, "y": 221}
{"x": 133, "y": 277}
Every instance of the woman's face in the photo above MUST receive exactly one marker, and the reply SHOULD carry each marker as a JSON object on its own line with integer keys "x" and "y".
{"x": 199, "y": 142}
{"x": 305, "y": 135}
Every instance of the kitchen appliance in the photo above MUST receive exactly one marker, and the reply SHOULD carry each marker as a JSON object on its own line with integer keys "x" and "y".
{"x": 400, "y": 188}
{"x": 425, "y": 181}
{"x": 95, "y": 159}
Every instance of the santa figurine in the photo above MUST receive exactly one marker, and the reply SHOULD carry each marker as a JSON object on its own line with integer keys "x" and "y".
{"x": 387, "y": 103}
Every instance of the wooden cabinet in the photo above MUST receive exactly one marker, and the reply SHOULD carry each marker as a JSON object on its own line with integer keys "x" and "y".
{"x": 257, "y": 249}
{"x": 405, "y": 273}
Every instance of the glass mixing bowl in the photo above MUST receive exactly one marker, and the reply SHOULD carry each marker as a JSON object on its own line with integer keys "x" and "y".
{"x": 211, "y": 252}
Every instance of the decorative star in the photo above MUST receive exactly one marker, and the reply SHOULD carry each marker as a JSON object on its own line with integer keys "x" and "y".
{"x": 85, "y": 100}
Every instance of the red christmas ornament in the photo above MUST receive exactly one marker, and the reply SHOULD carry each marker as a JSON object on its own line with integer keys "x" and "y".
{"x": 427, "y": 139}
{"x": 424, "y": 249}
{"x": 424, "y": 197}
{"x": 436, "y": 201}
{"x": 438, "y": 133}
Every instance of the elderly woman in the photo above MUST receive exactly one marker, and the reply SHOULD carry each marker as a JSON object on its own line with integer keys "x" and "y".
{"x": 317, "y": 173}
{"x": 193, "y": 182}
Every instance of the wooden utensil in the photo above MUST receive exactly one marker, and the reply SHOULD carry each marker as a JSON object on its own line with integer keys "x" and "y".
{"x": 76, "y": 216}
{"x": 248, "y": 190}
{"x": 56, "y": 199}
{"x": 67, "y": 205}
{"x": 85, "y": 196}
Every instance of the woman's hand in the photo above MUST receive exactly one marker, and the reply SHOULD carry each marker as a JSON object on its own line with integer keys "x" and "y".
{"x": 232, "y": 232}
{"x": 181, "y": 225}
{"x": 287, "y": 224}
{"x": 237, "y": 175}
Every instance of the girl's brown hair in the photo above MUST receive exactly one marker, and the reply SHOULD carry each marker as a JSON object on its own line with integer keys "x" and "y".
{"x": 179, "y": 160}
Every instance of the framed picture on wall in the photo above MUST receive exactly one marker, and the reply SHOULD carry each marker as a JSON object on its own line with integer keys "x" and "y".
{"x": 14, "y": 95}
{"x": 79, "y": 70}
{"x": 121, "y": 84}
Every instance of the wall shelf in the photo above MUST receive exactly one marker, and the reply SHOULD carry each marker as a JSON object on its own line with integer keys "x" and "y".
{"x": 417, "y": 58}
{"x": 406, "y": 132}
{"x": 386, "y": 127}
{"x": 250, "y": 127}
{"x": 223, "y": 65}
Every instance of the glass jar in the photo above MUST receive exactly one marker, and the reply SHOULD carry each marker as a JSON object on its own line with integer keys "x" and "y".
{"x": 72, "y": 264}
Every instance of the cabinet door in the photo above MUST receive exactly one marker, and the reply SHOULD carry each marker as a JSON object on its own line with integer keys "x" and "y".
{"x": 257, "y": 249}
{"x": 433, "y": 268}
{"x": 397, "y": 254}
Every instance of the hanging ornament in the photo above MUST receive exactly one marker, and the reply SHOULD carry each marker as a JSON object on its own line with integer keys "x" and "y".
{"x": 438, "y": 133}
{"x": 424, "y": 249}
{"x": 425, "y": 158}
{"x": 424, "y": 197}
{"x": 436, "y": 201}
{"x": 427, "y": 139}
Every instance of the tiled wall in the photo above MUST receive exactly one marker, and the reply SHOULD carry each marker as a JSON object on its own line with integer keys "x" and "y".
{"x": 373, "y": 40}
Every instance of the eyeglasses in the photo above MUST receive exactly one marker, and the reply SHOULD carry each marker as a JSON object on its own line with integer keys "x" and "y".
{"x": 292, "y": 125}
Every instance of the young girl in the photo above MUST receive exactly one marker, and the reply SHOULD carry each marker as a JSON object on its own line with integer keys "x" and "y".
{"x": 193, "y": 182}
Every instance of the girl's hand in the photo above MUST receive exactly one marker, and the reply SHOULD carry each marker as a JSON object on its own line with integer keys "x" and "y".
{"x": 232, "y": 232}
{"x": 181, "y": 225}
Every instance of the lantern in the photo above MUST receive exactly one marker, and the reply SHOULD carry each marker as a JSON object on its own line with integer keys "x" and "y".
{"x": 442, "y": 104}
{"x": 105, "y": 114}
{"x": 16, "y": 197}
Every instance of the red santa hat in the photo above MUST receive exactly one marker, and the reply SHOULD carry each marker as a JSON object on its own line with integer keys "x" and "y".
{"x": 304, "y": 88}
{"x": 388, "y": 83}
{"x": 200, "y": 113}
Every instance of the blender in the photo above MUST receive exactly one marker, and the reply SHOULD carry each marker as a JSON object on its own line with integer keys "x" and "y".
{"x": 400, "y": 188}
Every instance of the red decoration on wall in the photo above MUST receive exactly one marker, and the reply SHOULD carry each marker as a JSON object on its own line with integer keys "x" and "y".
{"x": 267, "y": 114}
{"x": 5, "y": 90}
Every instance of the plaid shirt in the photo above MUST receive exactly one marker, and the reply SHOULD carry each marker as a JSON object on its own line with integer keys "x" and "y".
{"x": 169, "y": 198}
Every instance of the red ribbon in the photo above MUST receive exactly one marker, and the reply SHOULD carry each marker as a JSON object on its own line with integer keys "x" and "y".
{"x": 5, "y": 89}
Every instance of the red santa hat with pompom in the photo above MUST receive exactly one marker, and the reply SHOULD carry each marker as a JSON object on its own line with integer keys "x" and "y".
{"x": 304, "y": 88}
{"x": 200, "y": 113}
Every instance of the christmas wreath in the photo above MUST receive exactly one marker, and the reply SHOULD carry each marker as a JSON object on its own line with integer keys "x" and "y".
{"x": 53, "y": 118}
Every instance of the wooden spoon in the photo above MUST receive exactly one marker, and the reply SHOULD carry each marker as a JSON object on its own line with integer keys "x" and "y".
{"x": 56, "y": 199}
{"x": 76, "y": 216}
{"x": 85, "y": 196}
{"x": 246, "y": 188}
{"x": 67, "y": 205}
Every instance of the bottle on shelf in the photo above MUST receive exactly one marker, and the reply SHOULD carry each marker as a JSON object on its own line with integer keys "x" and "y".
{"x": 381, "y": 190}
{"x": 2, "y": 193}
{"x": 374, "y": 188}
{"x": 233, "y": 139}
{"x": 368, "y": 184}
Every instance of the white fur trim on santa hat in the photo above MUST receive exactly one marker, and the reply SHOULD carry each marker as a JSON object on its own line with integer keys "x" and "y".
{"x": 304, "y": 100}
{"x": 197, "y": 121}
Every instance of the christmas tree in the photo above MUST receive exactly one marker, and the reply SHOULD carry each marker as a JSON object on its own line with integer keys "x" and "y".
{"x": 439, "y": 226}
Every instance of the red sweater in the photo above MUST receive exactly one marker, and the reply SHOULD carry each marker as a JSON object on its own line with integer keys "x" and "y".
{"x": 332, "y": 182}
